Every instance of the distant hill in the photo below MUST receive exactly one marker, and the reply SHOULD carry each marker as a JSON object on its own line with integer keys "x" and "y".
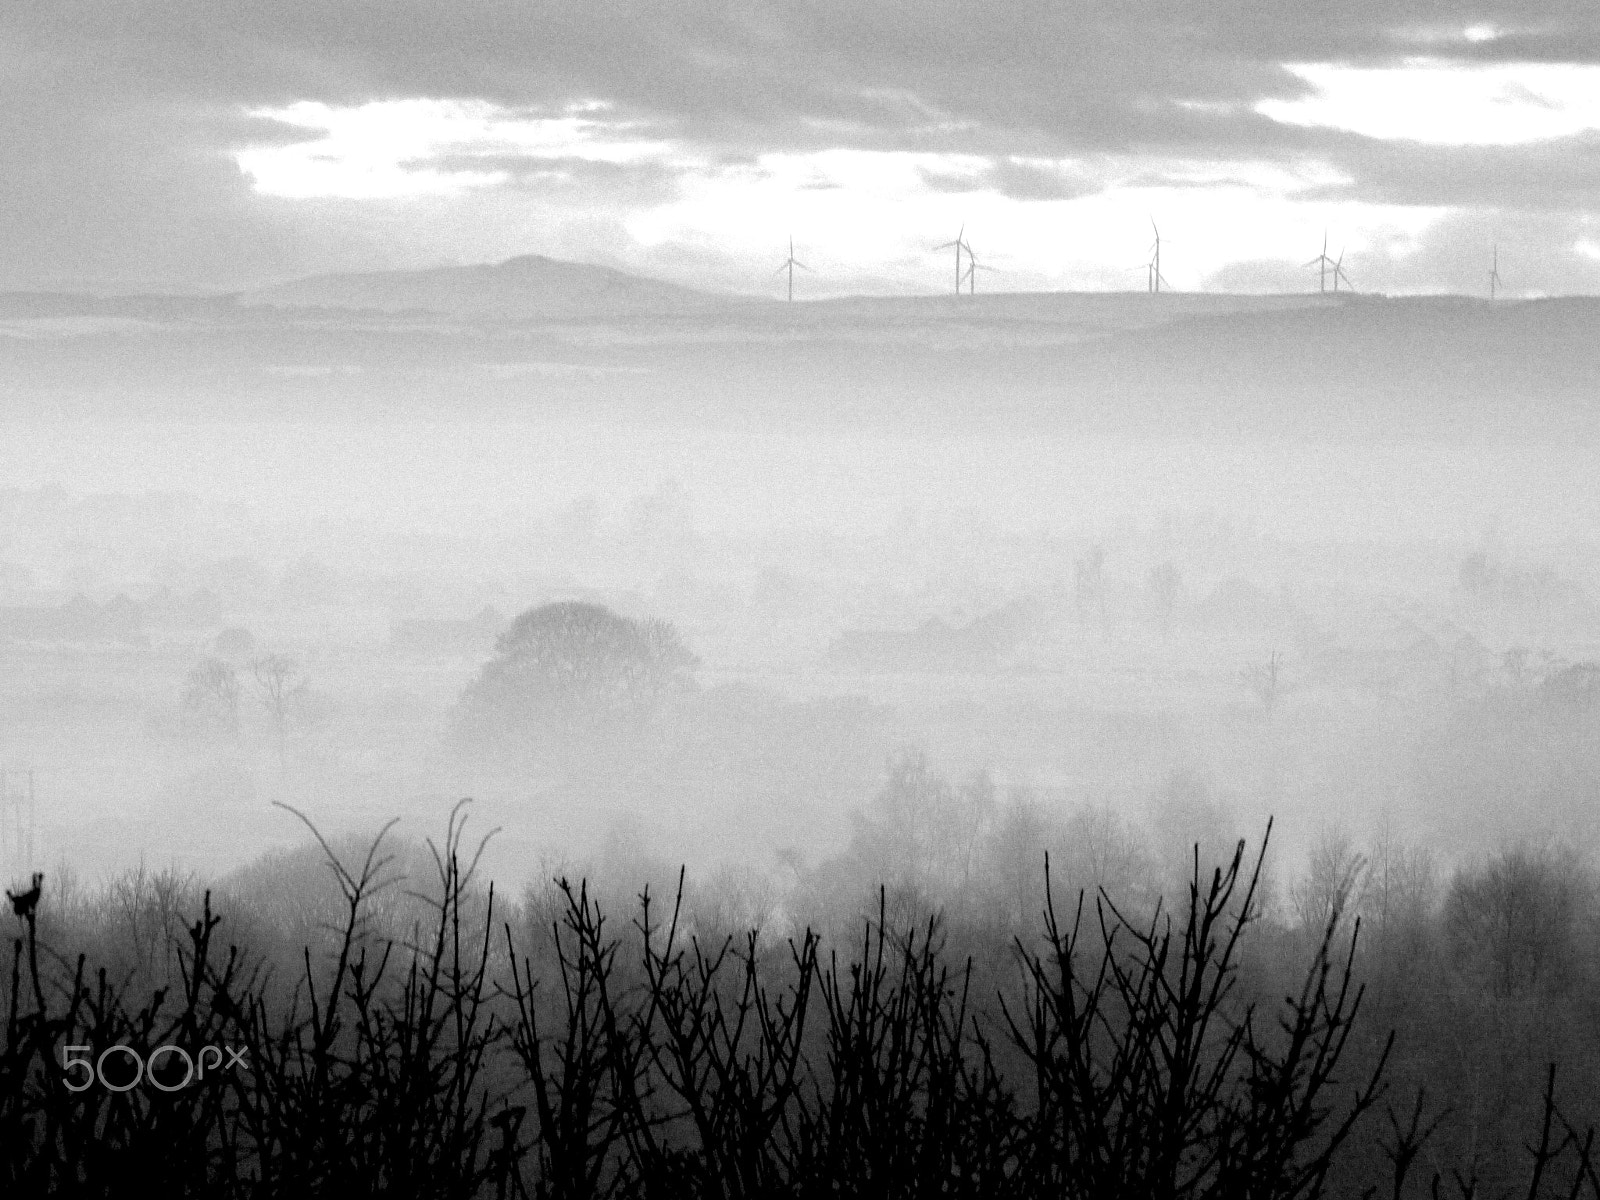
{"x": 551, "y": 337}
{"x": 529, "y": 288}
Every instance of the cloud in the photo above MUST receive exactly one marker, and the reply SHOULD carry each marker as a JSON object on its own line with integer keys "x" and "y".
{"x": 425, "y": 146}
{"x": 955, "y": 182}
{"x": 1542, "y": 177}
{"x": 125, "y": 137}
{"x": 1042, "y": 179}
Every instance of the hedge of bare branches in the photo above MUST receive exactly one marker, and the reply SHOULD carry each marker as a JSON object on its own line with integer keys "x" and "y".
{"x": 461, "y": 1058}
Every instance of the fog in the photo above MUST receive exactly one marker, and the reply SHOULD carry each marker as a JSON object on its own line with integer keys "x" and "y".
{"x": 507, "y": 690}
{"x": 855, "y": 580}
{"x": 839, "y": 632}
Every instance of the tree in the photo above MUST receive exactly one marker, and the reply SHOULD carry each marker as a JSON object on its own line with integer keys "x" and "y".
{"x": 1398, "y": 890}
{"x": 575, "y": 667}
{"x": 282, "y": 690}
{"x": 1022, "y": 833}
{"x": 923, "y": 838}
{"x": 211, "y": 697}
{"x": 1516, "y": 921}
{"x": 1186, "y": 817}
{"x": 1334, "y": 882}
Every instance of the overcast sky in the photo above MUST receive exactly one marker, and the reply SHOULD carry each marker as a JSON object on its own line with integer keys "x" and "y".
{"x": 219, "y": 144}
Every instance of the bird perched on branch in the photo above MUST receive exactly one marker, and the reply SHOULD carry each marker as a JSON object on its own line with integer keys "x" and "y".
{"x": 23, "y": 903}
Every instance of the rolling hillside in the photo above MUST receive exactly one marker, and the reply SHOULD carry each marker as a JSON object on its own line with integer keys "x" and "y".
{"x": 528, "y": 288}
{"x": 535, "y": 336}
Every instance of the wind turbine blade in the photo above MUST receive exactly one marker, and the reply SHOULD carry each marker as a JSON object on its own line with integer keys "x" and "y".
{"x": 801, "y": 265}
{"x": 781, "y": 269}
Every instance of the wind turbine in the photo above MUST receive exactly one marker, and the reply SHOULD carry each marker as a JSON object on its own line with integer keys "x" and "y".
{"x": 1153, "y": 276}
{"x": 1494, "y": 273}
{"x": 789, "y": 264}
{"x": 973, "y": 267}
{"x": 1338, "y": 274}
{"x": 960, "y": 246}
{"x": 1322, "y": 262}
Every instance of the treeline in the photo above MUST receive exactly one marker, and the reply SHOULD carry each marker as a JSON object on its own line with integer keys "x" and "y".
{"x": 425, "y": 1039}
{"x": 1487, "y": 970}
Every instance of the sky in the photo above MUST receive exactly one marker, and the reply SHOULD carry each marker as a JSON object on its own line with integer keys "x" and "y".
{"x": 183, "y": 146}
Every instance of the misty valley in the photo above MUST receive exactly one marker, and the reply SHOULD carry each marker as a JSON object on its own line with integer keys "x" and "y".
{"x": 560, "y": 734}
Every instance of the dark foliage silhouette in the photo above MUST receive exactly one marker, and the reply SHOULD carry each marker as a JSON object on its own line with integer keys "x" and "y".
{"x": 432, "y": 1047}
{"x": 572, "y": 668}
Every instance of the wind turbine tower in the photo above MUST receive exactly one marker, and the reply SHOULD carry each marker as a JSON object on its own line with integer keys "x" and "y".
{"x": 1322, "y": 262}
{"x": 960, "y": 245}
{"x": 789, "y": 265}
{"x": 1153, "y": 276}
{"x": 1494, "y": 273}
{"x": 973, "y": 267}
{"x": 1338, "y": 274}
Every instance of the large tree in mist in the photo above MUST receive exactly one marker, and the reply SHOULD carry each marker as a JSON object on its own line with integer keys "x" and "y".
{"x": 573, "y": 668}
{"x": 210, "y": 702}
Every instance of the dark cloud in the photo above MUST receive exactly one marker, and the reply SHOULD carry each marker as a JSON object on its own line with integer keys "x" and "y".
{"x": 1080, "y": 72}
{"x": 954, "y": 182}
{"x": 1027, "y": 181}
{"x": 1542, "y": 176}
{"x": 634, "y": 182}
{"x": 1016, "y": 179}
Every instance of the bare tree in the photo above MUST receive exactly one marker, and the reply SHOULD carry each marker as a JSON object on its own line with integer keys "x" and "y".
{"x": 1334, "y": 882}
{"x": 211, "y": 697}
{"x": 1399, "y": 886}
{"x": 1020, "y": 836}
{"x": 282, "y": 690}
{"x": 1517, "y": 921}
{"x": 924, "y": 837}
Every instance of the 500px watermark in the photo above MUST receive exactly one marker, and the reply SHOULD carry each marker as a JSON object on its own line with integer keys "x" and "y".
{"x": 129, "y": 1069}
